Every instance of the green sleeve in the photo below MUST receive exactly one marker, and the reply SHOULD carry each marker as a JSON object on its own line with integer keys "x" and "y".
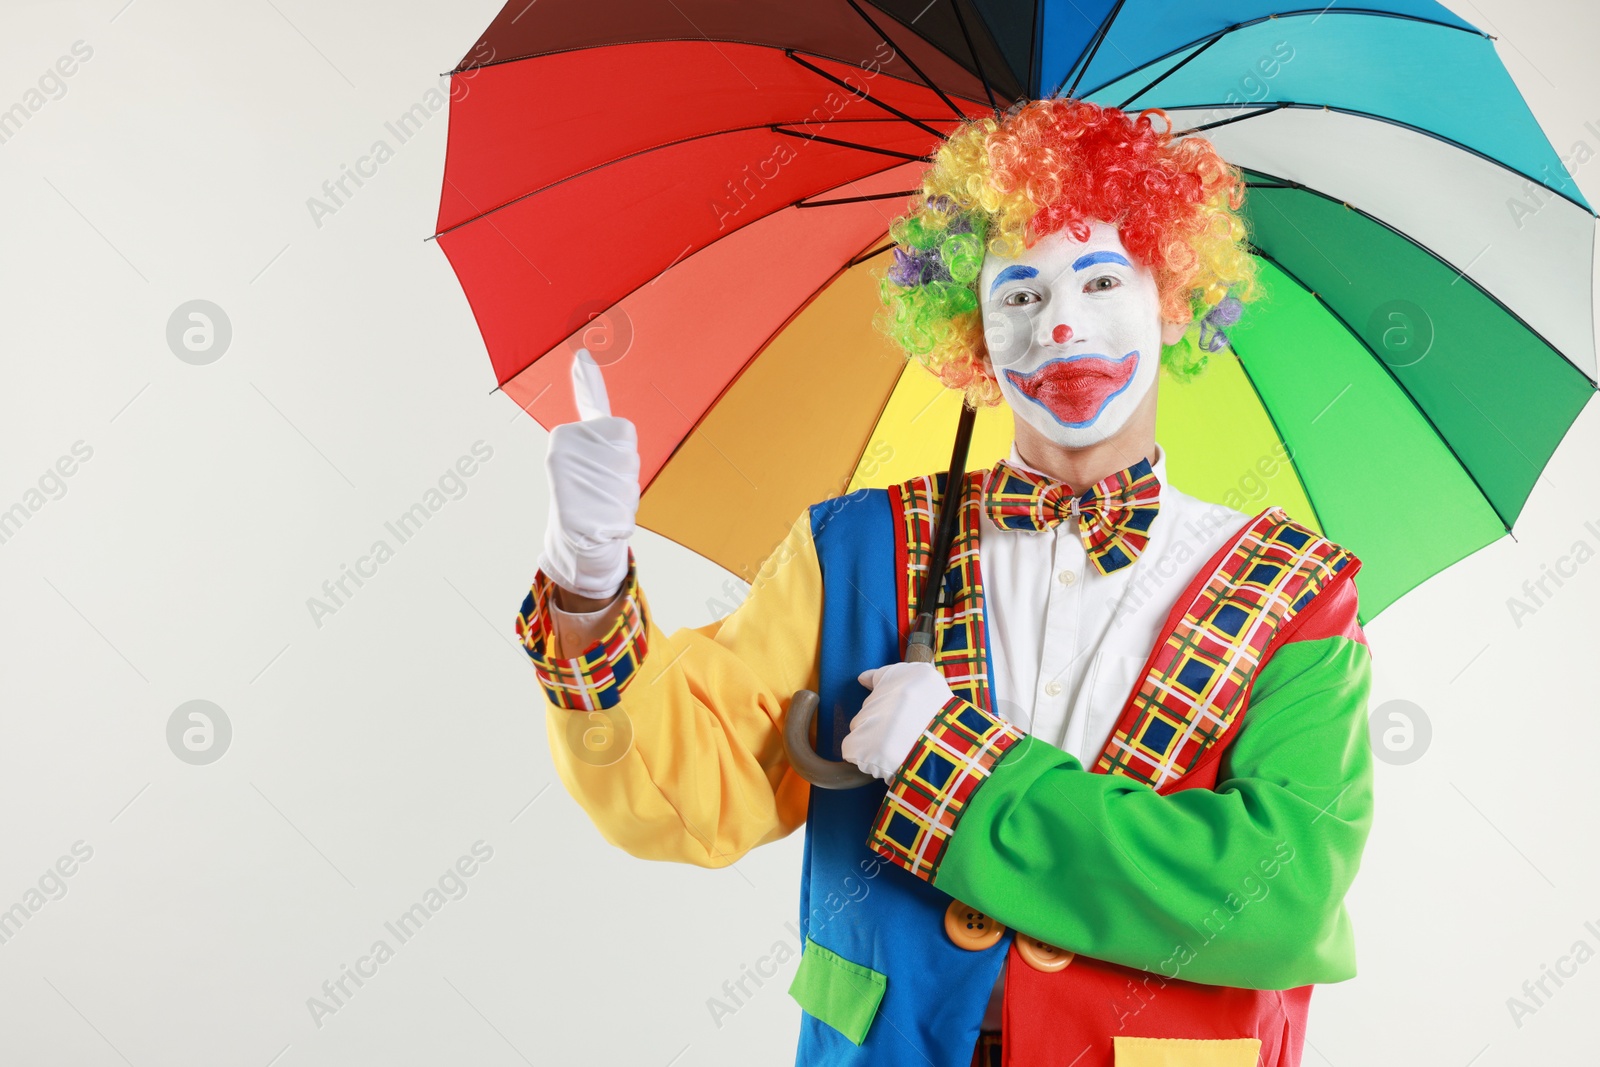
{"x": 1242, "y": 885}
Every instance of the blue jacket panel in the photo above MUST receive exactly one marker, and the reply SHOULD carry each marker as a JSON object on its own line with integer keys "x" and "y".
{"x": 852, "y": 902}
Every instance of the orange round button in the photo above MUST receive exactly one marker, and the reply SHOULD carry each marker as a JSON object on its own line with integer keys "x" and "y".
{"x": 1041, "y": 956}
{"x": 970, "y": 928}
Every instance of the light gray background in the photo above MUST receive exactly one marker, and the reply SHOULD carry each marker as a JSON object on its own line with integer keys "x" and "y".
{"x": 371, "y": 752}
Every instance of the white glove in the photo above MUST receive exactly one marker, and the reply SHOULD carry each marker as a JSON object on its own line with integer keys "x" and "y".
{"x": 904, "y": 699}
{"x": 593, "y": 466}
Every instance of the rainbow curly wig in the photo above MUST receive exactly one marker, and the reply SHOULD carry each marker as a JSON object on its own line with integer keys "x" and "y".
{"x": 1001, "y": 184}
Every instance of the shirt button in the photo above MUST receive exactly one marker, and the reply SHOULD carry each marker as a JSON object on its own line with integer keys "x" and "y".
{"x": 1066, "y": 577}
{"x": 1053, "y": 689}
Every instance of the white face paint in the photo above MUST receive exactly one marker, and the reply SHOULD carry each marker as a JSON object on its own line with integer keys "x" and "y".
{"x": 1073, "y": 330}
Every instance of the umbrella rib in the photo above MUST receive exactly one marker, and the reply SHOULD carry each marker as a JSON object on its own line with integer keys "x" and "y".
{"x": 1289, "y": 183}
{"x": 862, "y": 94}
{"x": 875, "y": 252}
{"x": 469, "y": 68}
{"x": 1374, "y": 117}
{"x": 909, "y": 62}
{"x": 656, "y": 148}
{"x": 1324, "y": 10}
{"x": 854, "y": 199}
{"x": 955, "y": 5}
{"x": 1394, "y": 378}
{"x": 1100, "y": 34}
{"x": 734, "y": 379}
{"x": 499, "y": 231}
{"x": 1204, "y": 126}
{"x": 1170, "y": 72}
{"x": 1305, "y": 486}
{"x": 776, "y": 128}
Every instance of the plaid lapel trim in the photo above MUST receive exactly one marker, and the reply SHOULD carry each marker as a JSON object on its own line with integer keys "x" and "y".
{"x": 962, "y": 655}
{"x": 1198, "y": 676}
{"x": 958, "y": 751}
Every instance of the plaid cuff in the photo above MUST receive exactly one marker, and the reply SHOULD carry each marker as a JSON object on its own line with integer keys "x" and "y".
{"x": 593, "y": 679}
{"x": 932, "y": 788}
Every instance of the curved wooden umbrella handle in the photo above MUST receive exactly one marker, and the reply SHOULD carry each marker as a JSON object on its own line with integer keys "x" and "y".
{"x": 820, "y": 772}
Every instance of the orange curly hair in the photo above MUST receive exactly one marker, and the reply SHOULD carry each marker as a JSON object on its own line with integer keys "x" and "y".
{"x": 999, "y": 185}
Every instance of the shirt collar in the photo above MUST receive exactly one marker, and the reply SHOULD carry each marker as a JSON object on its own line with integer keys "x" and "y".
{"x": 1158, "y": 465}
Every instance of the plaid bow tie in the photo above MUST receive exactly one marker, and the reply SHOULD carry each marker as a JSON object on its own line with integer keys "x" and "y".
{"x": 1114, "y": 514}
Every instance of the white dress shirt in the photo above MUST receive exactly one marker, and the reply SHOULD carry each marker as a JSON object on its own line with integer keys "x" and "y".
{"x": 1066, "y": 642}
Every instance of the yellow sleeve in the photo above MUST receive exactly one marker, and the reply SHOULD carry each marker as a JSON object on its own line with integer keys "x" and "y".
{"x": 673, "y": 744}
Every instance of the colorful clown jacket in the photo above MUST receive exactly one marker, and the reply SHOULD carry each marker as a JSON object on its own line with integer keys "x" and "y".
{"x": 1170, "y": 905}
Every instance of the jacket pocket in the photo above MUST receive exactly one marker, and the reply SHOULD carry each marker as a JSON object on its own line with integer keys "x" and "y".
{"x": 1180, "y": 1052}
{"x": 835, "y": 991}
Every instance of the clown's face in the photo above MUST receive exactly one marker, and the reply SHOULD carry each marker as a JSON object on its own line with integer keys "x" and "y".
{"x": 1074, "y": 332}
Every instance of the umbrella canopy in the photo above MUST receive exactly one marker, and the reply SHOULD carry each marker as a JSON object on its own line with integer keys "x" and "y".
{"x": 700, "y": 194}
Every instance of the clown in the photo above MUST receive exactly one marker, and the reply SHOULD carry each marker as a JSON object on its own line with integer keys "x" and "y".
{"x": 1114, "y": 820}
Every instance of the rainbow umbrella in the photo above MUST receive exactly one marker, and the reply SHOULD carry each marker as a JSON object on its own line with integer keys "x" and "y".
{"x": 700, "y": 193}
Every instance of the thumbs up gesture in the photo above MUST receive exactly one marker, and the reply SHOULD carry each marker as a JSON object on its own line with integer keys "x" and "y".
{"x": 593, "y": 467}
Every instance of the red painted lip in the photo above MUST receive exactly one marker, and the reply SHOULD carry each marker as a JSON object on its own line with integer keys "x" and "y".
{"x": 1075, "y": 390}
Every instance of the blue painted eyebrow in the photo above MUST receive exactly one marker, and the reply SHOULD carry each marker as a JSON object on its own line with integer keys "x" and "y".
{"x": 1011, "y": 274}
{"x": 1017, "y": 273}
{"x": 1103, "y": 256}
